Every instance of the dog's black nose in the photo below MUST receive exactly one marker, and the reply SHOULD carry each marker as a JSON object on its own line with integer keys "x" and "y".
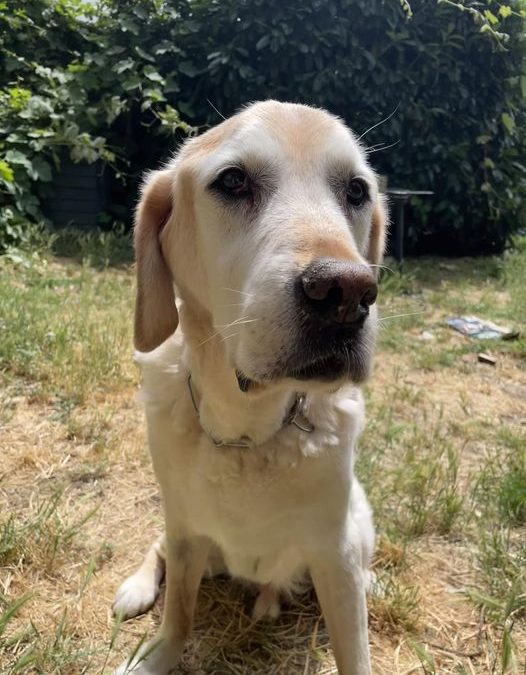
{"x": 337, "y": 291}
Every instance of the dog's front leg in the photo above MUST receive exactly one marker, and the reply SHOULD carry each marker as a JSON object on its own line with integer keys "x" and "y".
{"x": 339, "y": 583}
{"x": 186, "y": 560}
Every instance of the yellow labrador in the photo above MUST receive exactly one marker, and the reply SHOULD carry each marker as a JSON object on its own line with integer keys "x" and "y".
{"x": 261, "y": 238}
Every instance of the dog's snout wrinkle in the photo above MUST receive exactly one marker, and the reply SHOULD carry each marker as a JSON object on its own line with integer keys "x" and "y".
{"x": 338, "y": 291}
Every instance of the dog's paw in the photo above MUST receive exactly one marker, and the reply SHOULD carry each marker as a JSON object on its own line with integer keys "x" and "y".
{"x": 267, "y": 605}
{"x": 135, "y": 596}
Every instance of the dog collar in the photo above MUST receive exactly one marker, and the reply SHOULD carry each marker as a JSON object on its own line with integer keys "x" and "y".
{"x": 295, "y": 417}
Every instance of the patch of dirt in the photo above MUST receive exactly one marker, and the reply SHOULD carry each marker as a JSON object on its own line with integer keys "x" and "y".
{"x": 40, "y": 455}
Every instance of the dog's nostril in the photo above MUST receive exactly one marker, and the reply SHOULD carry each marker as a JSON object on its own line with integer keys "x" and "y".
{"x": 369, "y": 297}
{"x": 316, "y": 288}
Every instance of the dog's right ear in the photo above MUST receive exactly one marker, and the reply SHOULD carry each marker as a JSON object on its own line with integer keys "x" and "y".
{"x": 156, "y": 315}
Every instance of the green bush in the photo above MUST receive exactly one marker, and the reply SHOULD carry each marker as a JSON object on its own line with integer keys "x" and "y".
{"x": 115, "y": 80}
{"x": 447, "y": 76}
{"x": 67, "y": 86}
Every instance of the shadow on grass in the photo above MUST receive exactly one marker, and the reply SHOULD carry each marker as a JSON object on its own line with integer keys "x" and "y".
{"x": 226, "y": 640}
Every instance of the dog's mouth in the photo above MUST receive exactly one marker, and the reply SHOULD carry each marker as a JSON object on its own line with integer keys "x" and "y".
{"x": 325, "y": 369}
{"x": 349, "y": 364}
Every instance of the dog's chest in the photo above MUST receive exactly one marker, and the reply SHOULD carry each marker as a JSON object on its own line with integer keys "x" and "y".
{"x": 262, "y": 506}
{"x": 255, "y": 504}
{"x": 261, "y": 511}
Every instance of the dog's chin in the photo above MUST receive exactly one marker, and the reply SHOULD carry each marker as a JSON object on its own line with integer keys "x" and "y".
{"x": 332, "y": 368}
{"x": 327, "y": 369}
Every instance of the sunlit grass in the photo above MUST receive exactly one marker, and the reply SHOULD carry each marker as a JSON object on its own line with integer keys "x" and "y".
{"x": 442, "y": 471}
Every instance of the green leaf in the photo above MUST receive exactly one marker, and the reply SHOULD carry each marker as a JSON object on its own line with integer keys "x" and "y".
{"x": 130, "y": 26}
{"x": 6, "y": 172}
{"x": 155, "y": 95}
{"x": 151, "y": 73}
{"x": 263, "y": 42}
{"x": 41, "y": 170}
{"x": 17, "y": 157}
{"x": 123, "y": 66}
{"x": 508, "y": 122}
{"x": 187, "y": 68}
{"x": 131, "y": 83}
{"x": 143, "y": 54}
{"x": 490, "y": 17}
{"x": 505, "y": 11}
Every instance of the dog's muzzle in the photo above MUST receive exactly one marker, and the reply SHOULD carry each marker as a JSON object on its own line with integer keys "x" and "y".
{"x": 333, "y": 298}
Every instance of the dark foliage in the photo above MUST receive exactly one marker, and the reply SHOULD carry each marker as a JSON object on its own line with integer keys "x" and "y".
{"x": 447, "y": 75}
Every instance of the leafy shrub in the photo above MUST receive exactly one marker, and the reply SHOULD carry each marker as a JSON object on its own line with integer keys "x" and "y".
{"x": 65, "y": 88}
{"x": 448, "y": 78}
{"x": 113, "y": 80}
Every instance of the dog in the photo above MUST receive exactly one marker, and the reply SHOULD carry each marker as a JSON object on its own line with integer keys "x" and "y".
{"x": 262, "y": 239}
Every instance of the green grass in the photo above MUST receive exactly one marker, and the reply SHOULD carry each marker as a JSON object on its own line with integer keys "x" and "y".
{"x": 444, "y": 466}
{"x": 430, "y": 290}
{"x": 43, "y": 535}
{"x": 65, "y": 329}
{"x": 410, "y": 452}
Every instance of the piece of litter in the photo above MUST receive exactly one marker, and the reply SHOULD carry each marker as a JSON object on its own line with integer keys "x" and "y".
{"x": 481, "y": 329}
{"x": 426, "y": 335}
{"x": 483, "y": 357}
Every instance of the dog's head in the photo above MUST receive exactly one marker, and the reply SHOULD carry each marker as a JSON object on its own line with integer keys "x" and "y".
{"x": 271, "y": 227}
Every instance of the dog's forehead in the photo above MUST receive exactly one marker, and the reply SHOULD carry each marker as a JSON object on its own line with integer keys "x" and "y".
{"x": 277, "y": 133}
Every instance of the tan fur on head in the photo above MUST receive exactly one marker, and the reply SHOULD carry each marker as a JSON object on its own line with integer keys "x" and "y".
{"x": 377, "y": 237}
{"x": 156, "y": 315}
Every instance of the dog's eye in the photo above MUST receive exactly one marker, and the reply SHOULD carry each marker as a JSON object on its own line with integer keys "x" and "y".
{"x": 356, "y": 192}
{"x": 234, "y": 182}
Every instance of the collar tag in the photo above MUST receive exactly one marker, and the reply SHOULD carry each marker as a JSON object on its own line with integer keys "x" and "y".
{"x": 296, "y": 416}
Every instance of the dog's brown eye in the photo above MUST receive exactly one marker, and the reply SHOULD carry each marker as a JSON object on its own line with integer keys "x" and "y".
{"x": 234, "y": 182}
{"x": 356, "y": 192}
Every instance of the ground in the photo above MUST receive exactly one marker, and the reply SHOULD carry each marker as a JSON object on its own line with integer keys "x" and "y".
{"x": 443, "y": 460}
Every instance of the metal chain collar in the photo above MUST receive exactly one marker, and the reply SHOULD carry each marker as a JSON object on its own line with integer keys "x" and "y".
{"x": 295, "y": 418}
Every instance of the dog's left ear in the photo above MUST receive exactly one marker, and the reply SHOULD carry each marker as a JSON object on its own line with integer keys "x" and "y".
{"x": 156, "y": 315}
{"x": 378, "y": 234}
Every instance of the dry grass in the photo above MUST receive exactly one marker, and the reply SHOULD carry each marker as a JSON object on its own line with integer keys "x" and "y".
{"x": 443, "y": 459}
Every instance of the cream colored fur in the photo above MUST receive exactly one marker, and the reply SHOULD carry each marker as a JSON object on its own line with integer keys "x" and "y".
{"x": 289, "y": 505}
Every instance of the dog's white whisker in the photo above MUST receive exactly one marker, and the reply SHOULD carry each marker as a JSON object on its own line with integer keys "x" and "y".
{"x": 234, "y": 290}
{"x": 215, "y": 109}
{"x": 236, "y": 322}
{"x": 227, "y": 337}
{"x": 221, "y": 327}
{"x": 378, "y": 148}
{"x": 386, "y": 119}
{"x": 226, "y": 325}
{"x": 381, "y": 267}
{"x": 210, "y": 337}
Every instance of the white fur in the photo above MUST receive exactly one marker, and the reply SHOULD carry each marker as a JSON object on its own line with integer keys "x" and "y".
{"x": 290, "y": 504}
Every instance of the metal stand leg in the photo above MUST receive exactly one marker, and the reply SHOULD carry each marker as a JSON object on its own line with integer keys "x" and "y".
{"x": 400, "y": 226}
